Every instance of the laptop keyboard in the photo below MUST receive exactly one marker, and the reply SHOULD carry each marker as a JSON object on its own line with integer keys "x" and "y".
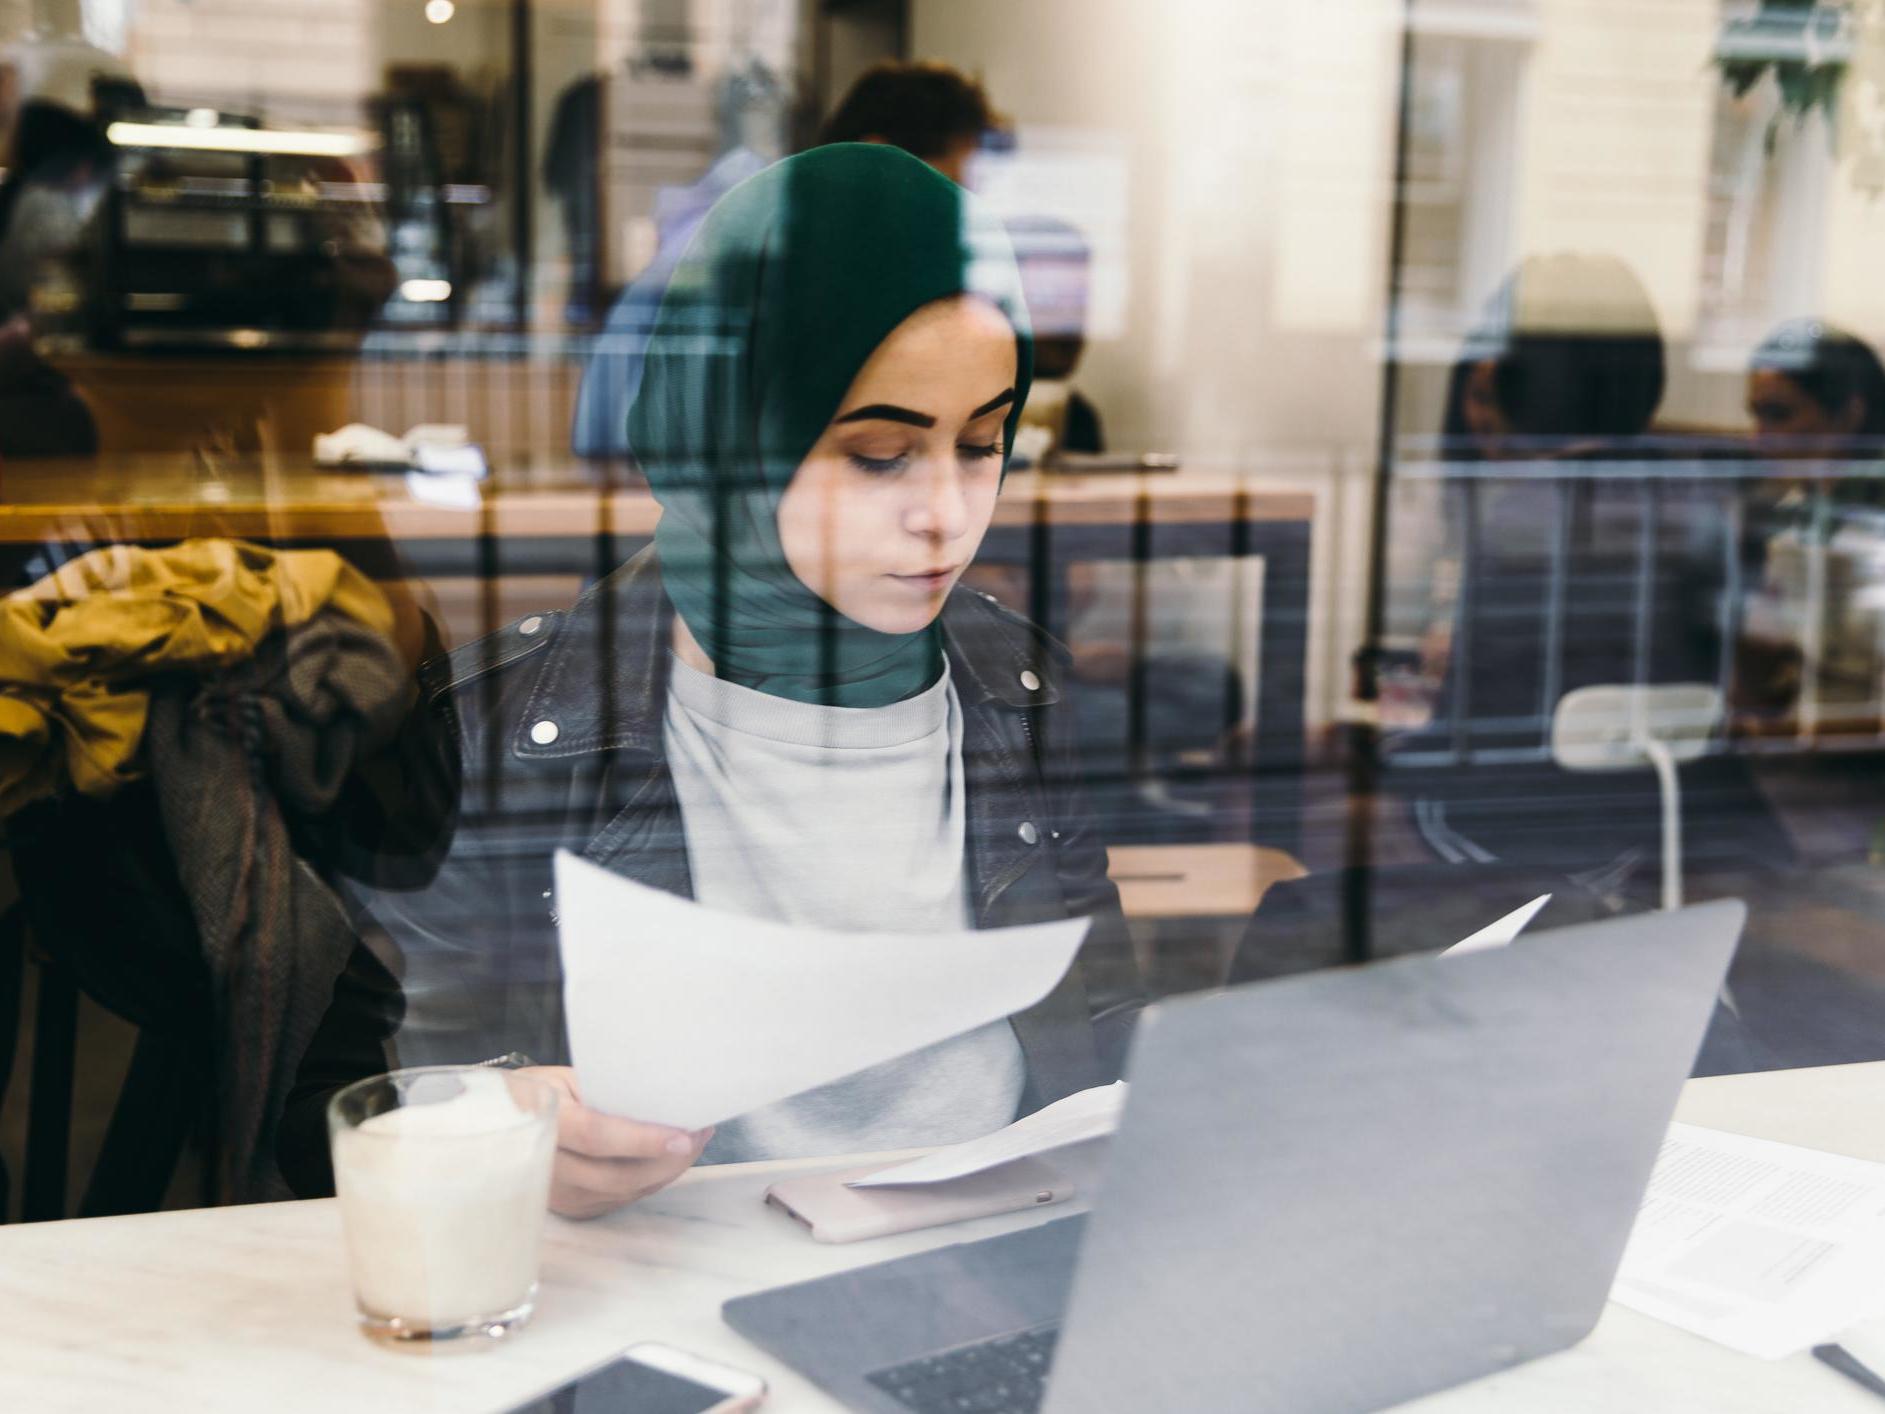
{"x": 1006, "y": 1375}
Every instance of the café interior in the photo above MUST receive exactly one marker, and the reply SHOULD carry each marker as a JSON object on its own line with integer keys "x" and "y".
{"x": 1443, "y": 466}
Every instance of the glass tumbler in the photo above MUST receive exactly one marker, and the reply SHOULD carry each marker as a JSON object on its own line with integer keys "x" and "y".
{"x": 443, "y": 1174}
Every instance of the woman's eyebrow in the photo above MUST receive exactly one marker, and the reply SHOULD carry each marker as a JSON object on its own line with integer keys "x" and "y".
{"x": 890, "y": 412}
{"x": 1001, "y": 399}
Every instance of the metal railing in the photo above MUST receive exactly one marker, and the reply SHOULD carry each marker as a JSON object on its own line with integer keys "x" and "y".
{"x": 1698, "y": 527}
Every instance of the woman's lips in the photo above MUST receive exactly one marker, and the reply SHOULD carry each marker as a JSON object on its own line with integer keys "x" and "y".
{"x": 929, "y": 579}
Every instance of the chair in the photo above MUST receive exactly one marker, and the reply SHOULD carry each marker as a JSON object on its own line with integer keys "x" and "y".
{"x": 1575, "y": 576}
{"x": 1625, "y": 727}
{"x": 1187, "y": 904}
{"x": 101, "y": 914}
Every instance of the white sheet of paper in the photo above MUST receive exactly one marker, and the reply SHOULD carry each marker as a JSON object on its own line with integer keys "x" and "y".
{"x": 680, "y": 1014}
{"x": 1089, "y": 1114}
{"x": 1766, "y": 1248}
{"x": 1498, "y": 934}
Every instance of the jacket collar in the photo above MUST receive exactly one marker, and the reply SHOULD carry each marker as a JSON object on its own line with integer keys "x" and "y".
{"x": 603, "y": 682}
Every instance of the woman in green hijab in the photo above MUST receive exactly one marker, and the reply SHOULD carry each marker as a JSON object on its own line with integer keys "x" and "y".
{"x": 795, "y": 280}
{"x": 786, "y": 707}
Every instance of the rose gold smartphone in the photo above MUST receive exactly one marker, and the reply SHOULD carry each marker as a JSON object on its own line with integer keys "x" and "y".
{"x": 654, "y": 1379}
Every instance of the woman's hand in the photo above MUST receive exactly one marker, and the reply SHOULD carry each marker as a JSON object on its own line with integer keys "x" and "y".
{"x": 603, "y": 1162}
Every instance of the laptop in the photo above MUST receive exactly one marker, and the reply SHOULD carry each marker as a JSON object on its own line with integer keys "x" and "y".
{"x": 1330, "y": 1193}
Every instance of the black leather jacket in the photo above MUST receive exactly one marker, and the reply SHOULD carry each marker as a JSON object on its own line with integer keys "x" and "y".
{"x": 548, "y": 734}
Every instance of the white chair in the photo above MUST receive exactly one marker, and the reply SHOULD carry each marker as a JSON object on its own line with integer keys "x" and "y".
{"x": 1620, "y": 728}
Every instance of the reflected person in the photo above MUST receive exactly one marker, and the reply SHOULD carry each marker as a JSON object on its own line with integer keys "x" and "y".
{"x": 928, "y": 109}
{"x": 786, "y": 707}
{"x": 1816, "y": 397}
{"x": 55, "y": 168}
{"x": 1579, "y": 560}
{"x": 1817, "y": 393}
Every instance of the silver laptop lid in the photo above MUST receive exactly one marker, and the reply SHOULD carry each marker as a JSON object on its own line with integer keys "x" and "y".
{"x": 1426, "y": 1171}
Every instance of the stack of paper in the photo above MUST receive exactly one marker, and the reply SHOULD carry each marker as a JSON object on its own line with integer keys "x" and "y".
{"x": 1767, "y": 1248}
{"x": 1090, "y": 1114}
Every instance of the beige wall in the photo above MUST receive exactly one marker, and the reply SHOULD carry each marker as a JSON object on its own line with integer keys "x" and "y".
{"x": 294, "y": 58}
{"x": 1613, "y": 158}
{"x": 1853, "y": 292}
{"x": 1258, "y": 140}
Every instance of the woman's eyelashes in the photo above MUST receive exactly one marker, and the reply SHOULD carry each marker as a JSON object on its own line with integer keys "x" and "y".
{"x": 880, "y": 466}
{"x": 886, "y": 465}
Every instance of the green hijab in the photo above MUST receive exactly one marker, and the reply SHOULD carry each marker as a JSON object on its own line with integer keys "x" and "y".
{"x": 792, "y": 281}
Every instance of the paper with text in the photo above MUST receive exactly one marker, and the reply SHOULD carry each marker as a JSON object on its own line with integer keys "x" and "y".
{"x": 1766, "y": 1248}
{"x": 1089, "y": 1114}
{"x": 679, "y": 1014}
{"x": 1501, "y": 932}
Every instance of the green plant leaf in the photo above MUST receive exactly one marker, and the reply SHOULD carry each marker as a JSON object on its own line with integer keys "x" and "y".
{"x": 1795, "y": 87}
{"x": 1742, "y": 74}
{"x": 1823, "y": 87}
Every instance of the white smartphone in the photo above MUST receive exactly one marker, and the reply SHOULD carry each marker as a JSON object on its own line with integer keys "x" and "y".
{"x": 651, "y": 1378}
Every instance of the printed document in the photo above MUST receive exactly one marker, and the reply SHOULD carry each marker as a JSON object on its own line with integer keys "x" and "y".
{"x": 1090, "y": 1114}
{"x": 1766, "y": 1248}
{"x": 680, "y": 1014}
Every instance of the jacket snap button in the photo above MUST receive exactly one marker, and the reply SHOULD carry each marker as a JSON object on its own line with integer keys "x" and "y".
{"x": 530, "y": 625}
{"x": 1029, "y": 835}
{"x": 544, "y": 732}
{"x": 1030, "y": 681}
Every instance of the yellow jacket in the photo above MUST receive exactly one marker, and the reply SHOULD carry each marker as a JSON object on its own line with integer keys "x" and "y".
{"x": 78, "y": 649}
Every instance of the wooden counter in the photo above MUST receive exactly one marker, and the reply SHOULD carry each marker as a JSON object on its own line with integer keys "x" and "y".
{"x": 169, "y": 497}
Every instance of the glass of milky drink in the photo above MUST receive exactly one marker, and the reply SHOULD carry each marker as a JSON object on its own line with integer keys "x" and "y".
{"x": 444, "y": 1178}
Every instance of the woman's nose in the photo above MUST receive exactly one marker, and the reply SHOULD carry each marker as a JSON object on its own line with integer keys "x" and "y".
{"x": 941, "y": 509}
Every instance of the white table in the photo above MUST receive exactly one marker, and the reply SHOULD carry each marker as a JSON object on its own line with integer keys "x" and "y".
{"x": 247, "y": 1309}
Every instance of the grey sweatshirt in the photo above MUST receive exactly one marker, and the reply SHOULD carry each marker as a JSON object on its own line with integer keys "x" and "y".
{"x": 851, "y": 819}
